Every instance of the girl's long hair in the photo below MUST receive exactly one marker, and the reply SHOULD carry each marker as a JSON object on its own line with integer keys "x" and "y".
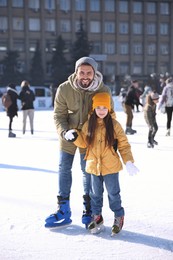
{"x": 92, "y": 123}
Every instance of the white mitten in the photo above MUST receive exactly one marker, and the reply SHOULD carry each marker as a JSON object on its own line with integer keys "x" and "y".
{"x": 70, "y": 135}
{"x": 131, "y": 168}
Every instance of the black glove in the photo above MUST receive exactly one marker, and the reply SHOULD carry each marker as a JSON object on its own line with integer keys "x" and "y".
{"x": 115, "y": 144}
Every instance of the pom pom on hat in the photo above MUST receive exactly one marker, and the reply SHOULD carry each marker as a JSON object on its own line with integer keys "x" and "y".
{"x": 154, "y": 96}
{"x": 102, "y": 99}
{"x": 86, "y": 60}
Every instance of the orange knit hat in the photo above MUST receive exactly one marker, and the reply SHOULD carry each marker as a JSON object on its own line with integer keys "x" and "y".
{"x": 102, "y": 99}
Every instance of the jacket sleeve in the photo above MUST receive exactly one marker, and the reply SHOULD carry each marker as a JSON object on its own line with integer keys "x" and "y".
{"x": 81, "y": 139}
{"x": 124, "y": 147}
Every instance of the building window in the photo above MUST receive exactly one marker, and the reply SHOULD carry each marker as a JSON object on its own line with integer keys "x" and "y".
{"x": 78, "y": 26}
{"x": 124, "y": 48}
{"x": 124, "y": 68}
{"x": 95, "y": 27}
{"x": 17, "y": 3}
{"x": 151, "y": 50}
{"x": 3, "y": 2}
{"x": 109, "y": 5}
{"x": 18, "y": 24}
{"x": 137, "y": 28}
{"x": 50, "y": 25}
{"x": 164, "y": 67}
{"x": 65, "y": 26}
{"x": 164, "y": 28}
{"x": 65, "y": 5}
{"x": 151, "y": 68}
{"x": 110, "y": 69}
{"x": 151, "y": 29}
{"x": 19, "y": 45}
{"x": 164, "y": 49}
{"x": 50, "y": 46}
{"x": 80, "y": 5}
{"x": 33, "y": 46}
{"x": 50, "y": 5}
{"x": 123, "y": 6}
{"x": 137, "y": 48}
{"x": 3, "y": 46}
{"x": 151, "y": 8}
{"x": 137, "y": 68}
{"x": 164, "y": 8}
{"x": 34, "y": 4}
{"x": 95, "y": 5}
{"x": 21, "y": 66}
{"x": 124, "y": 28}
{"x": 34, "y": 24}
{"x": 137, "y": 7}
{"x": 3, "y": 24}
{"x": 109, "y": 47}
{"x": 96, "y": 47}
{"x": 109, "y": 27}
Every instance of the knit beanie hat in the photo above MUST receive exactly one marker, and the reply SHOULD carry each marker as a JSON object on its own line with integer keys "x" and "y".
{"x": 154, "y": 96}
{"x": 102, "y": 99}
{"x": 86, "y": 60}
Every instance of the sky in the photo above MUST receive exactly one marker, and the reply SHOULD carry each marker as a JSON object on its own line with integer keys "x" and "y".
{"x": 28, "y": 190}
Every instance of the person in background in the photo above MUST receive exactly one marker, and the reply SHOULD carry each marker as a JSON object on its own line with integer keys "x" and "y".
{"x": 147, "y": 90}
{"x": 104, "y": 139}
{"x": 12, "y": 110}
{"x": 150, "y": 117}
{"x": 27, "y": 98}
{"x": 122, "y": 96}
{"x": 73, "y": 101}
{"x": 130, "y": 101}
{"x": 167, "y": 100}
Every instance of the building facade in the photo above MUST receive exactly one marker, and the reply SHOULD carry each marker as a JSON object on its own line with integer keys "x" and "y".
{"x": 128, "y": 37}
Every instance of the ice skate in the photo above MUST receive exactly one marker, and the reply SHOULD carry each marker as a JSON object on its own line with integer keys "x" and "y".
{"x": 150, "y": 145}
{"x": 62, "y": 216}
{"x": 96, "y": 226}
{"x": 86, "y": 217}
{"x": 11, "y": 134}
{"x": 117, "y": 225}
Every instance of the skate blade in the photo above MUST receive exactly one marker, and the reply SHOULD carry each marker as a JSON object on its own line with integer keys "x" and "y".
{"x": 97, "y": 229}
{"x": 58, "y": 225}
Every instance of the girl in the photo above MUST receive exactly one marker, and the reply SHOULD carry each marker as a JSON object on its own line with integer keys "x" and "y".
{"x": 150, "y": 117}
{"x": 104, "y": 137}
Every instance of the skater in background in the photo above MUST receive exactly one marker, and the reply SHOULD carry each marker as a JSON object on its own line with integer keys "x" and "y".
{"x": 150, "y": 117}
{"x": 104, "y": 138}
{"x": 27, "y": 98}
{"x": 167, "y": 101}
{"x": 130, "y": 101}
{"x": 72, "y": 104}
{"x": 12, "y": 110}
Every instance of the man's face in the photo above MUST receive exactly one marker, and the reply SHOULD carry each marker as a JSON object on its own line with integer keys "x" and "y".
{"x": 85, "y": 75}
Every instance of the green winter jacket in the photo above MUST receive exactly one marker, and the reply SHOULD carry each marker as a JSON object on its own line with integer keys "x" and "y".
{"x": 71, "y": 108}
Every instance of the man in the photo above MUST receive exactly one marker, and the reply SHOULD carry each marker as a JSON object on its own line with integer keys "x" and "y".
{"x": 73, "y": 102}
{"x": 131, "y": 100}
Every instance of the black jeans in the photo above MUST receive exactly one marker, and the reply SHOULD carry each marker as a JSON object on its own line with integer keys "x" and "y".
{"x": 152, "y": 132}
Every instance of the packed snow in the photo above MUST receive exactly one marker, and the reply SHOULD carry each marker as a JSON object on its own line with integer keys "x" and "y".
{"x": 28, "y": 190}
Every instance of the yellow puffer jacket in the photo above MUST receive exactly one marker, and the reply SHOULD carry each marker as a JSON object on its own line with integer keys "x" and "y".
{"x": 100, "y": 159}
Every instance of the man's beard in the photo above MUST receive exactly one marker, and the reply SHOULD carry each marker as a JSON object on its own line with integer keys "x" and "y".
{"x": 84, "y": 85}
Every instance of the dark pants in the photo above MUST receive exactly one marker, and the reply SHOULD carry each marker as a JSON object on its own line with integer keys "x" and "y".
{"x": 169, "y": 111}
{"x": 152, "y": 132}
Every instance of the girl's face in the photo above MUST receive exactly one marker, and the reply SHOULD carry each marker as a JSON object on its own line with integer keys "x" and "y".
{"x": 101, "y": 111}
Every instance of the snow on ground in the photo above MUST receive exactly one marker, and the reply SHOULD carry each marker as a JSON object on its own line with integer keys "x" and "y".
{"x": 28, "y": 189}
